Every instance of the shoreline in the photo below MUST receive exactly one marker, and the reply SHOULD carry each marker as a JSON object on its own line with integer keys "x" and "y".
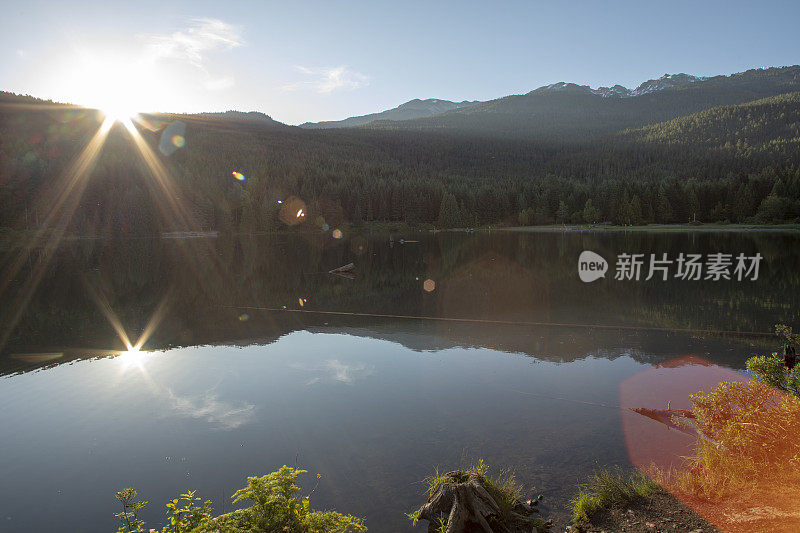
{"x": 659, "y": 228}
{"x": 661, "y": 511}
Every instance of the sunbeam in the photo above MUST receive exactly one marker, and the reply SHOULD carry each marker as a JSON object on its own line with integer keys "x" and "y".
{"x": 175, "y": 209}
{"x": 167, "y": 198}
{"x": 60, "y": 203}
{"x": 152, "y": 324}
{"x": 60, "y": 206}
{"x": 102, "y": 303}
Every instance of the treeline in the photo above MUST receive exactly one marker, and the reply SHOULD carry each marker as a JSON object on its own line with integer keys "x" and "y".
{"x": 766, "y": 197}
{"x": 666, "y": 173}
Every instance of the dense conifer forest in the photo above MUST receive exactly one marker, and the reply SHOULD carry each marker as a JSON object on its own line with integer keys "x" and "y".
{"x": 735, "y": 158}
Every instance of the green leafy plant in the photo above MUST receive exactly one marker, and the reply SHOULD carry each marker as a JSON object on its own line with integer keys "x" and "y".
{"x": 785, "y": 333}
{"x": 277, "y": 507}
{"x": 184, "y": 515}
{"x": 130, "y": 511}
{"x": 771, "y": 369}
{"x": 273, "y": 497}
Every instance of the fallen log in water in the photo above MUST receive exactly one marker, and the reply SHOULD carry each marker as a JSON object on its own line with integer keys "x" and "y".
{"x": 678, "y": 419}
{"x": 349, "y": 267}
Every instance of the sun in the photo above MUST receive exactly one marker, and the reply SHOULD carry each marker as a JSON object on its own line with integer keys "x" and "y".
{"x": 119, "y": 112}
{"x": 119, "y": 98}
{"x": 119, "y": 85}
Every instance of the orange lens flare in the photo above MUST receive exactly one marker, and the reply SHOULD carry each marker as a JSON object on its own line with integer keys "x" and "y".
{"x": 702, "y": 430}
{"x": 293, "y": 211}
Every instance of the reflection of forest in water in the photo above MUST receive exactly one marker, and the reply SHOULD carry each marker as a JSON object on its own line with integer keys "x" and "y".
{"x": 514, "y": 277}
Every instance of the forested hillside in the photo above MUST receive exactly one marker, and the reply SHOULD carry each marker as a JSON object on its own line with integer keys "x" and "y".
{"x": 765, "y": 125}
{"x": 240, "y": 172}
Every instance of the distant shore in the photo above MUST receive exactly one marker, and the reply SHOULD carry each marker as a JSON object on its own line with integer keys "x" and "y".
{"x": 661, "y": 228}
{"x": 14, "y": 238}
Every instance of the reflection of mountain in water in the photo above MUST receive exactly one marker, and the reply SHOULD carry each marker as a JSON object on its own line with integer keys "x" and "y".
{"x": 554, "y": 344}
{"x": 508, "y": 277}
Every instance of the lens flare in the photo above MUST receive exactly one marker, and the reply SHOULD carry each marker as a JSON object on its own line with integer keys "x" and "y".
{"x": 337, "y": 233}
{"x": 173, "y": 138}
{"x": 292, "y": 211}
{"x": 238, "y": 175}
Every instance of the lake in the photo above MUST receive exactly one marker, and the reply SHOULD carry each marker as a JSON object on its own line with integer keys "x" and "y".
{"x": 448, "y": 347}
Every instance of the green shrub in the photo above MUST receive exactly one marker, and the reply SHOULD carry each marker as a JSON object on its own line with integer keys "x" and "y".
{"x": 275, "y": 507}
{"x": 184, "y": 515}
{"x": 771, "y": 370}
{"x": 753, "y": 446}
{"x": 130, "y": 511}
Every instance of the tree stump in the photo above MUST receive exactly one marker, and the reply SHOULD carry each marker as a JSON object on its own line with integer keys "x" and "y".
{"x": 467, "y": 507}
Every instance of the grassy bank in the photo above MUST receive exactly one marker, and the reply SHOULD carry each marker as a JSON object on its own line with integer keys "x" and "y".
{"x": 610, "y": 488}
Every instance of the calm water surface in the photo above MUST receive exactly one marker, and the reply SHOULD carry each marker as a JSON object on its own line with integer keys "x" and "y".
{"x": 242, "y": 374}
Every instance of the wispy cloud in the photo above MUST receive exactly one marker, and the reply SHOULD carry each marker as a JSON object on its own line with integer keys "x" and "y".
{"x": 328, "y": 79}
{"x": 192, "y": 45}
{"x": 335, "y": 370}
{"x": 209, "y": 407}
{"x": 219, "y": 84}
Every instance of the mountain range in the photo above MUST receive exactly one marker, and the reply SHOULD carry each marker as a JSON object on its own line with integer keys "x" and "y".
{"x": 423, "y": 108}
{"x": 570, "y": 112}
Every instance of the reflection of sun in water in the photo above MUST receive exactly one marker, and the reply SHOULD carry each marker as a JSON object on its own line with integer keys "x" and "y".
{"x": 132, "y": 358}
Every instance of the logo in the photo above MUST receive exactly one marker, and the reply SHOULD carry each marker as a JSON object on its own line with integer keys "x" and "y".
{"x": 591, "y": 266}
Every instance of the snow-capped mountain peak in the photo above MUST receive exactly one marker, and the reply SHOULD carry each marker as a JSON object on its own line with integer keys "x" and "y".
{"x": 618, "y": 91}
{"x": 665, "y": 82}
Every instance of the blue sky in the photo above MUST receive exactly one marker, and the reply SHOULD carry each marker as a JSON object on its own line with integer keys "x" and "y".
{"x": 299, "y": 61}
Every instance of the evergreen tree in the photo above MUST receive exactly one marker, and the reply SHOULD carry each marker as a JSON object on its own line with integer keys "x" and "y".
{"x": 590, "y": 215}
{"x": 448, "y": 212}
{"x": 562, "y": 214}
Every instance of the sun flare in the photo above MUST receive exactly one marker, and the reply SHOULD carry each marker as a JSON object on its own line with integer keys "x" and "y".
{"x": 119, "y": 84}
{"x": 133, "y": 358}
{"x": 119, "y": 112}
